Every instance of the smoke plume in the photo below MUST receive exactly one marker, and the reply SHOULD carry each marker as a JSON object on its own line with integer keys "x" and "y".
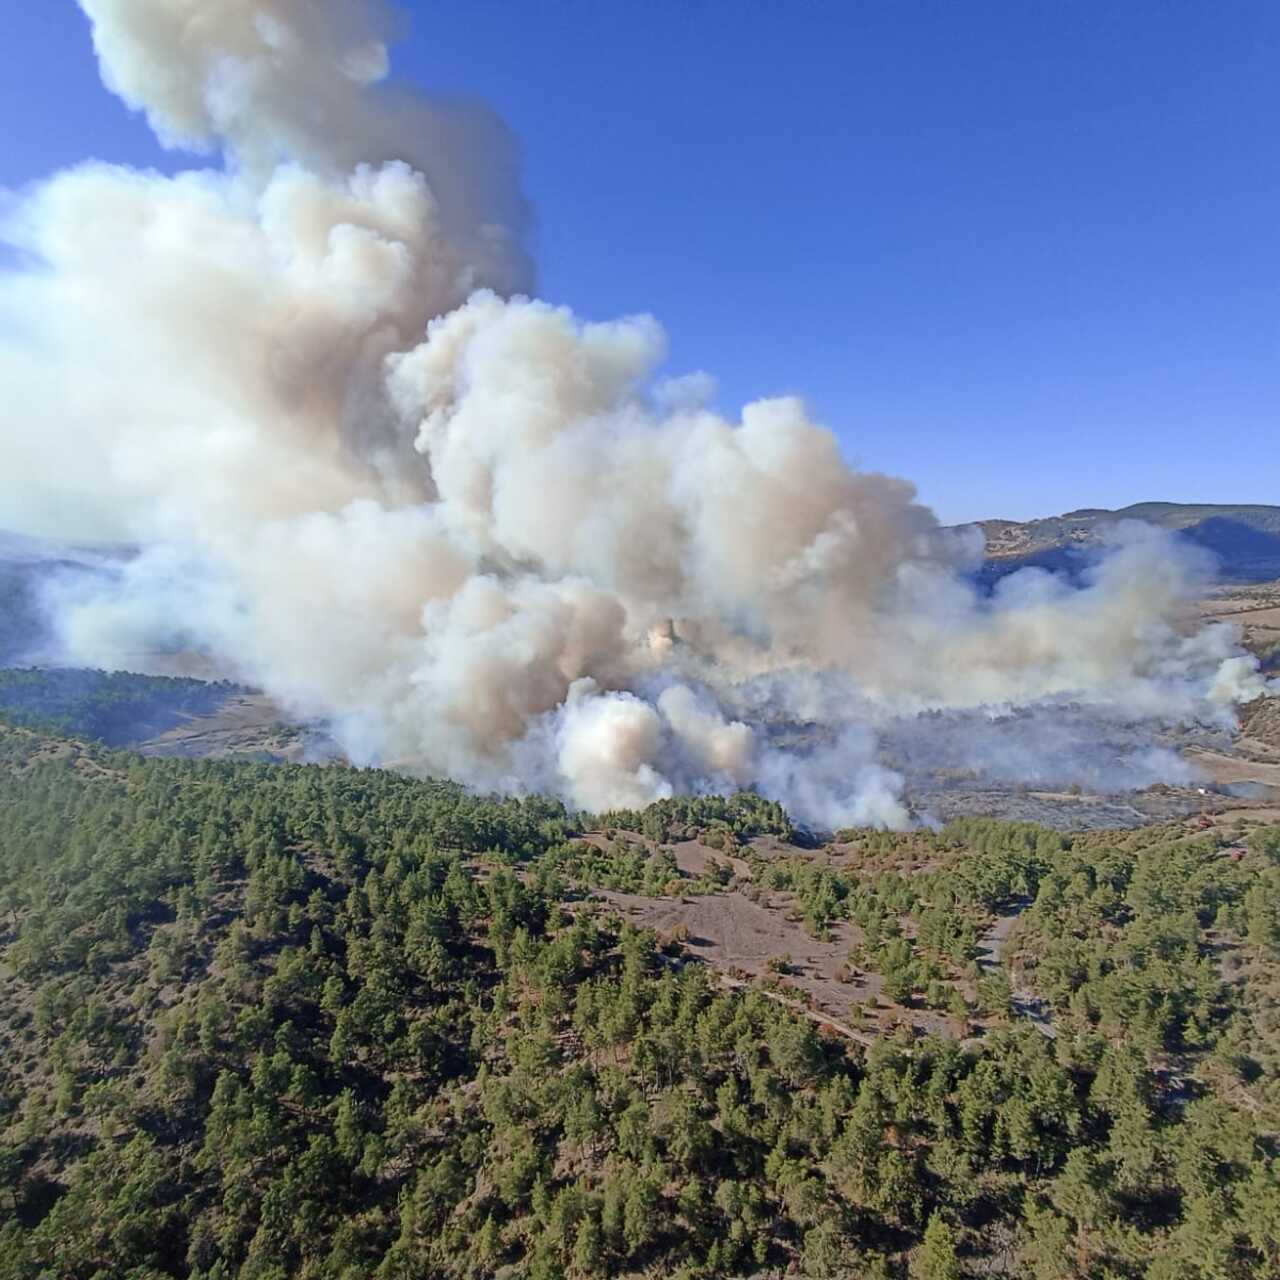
{"x": 477, "y": 535}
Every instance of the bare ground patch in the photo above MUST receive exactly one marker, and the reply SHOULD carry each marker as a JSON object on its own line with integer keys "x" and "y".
{"x": 692, "y": 857}
{"x": 738, "y": 937}
{"x": 1230, "y": 769}
{"x": 244, "y": 724}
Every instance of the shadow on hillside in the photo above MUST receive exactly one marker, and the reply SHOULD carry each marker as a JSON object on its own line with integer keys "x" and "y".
{"x": 1243, "y": 553}
{"x": 1239, "y": 547}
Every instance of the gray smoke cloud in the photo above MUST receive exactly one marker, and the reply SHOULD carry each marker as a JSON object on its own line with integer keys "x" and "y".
{"x": 476, "y": 534}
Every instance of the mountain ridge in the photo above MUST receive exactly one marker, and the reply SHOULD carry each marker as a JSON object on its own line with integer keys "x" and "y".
{"x": 1245, "y": 537}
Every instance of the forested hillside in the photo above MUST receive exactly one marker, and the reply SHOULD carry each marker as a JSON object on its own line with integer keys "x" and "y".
{"x": 268, "y": 1022}
{"x": 1243, "y": 538}
{"x": 118, "y": 707}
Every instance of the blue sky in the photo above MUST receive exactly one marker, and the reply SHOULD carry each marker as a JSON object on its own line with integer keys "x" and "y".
{"x": 1026, "y": 253}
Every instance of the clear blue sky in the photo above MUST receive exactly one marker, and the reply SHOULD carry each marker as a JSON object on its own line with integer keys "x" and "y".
{"x": 1026, "y": 253}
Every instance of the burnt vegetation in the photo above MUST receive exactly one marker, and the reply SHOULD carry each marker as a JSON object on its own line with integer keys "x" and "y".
{"x": 299, "y": 1021}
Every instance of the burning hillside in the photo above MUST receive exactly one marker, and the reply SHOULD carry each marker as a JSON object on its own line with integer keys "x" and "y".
{"x": 376, "y": 478}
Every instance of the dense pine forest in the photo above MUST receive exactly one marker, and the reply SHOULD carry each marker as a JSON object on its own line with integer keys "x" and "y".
{"x": 283, "y": 1021}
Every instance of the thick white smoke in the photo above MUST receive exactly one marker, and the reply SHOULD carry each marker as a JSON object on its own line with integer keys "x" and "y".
{"x": 466, "y": 528}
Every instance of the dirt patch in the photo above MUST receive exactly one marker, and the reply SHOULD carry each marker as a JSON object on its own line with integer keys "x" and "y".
{"x": 991, "y": 944}
{"x": 1229, "y": 770}
{"x": 602, "y": 839}
{"x": 1265, "y": 614}
{"x": 696, "y": 859}
{"x": 692, "y": 857}
{"x": 1261, "y": 619}
{"x": 729, "y": 929}
{"x": 245, "y": 724}
{"x": 738, "y": 937}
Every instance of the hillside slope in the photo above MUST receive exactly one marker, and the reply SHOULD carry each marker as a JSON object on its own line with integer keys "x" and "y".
{"x": 320, "y": 1023}
{"x": 1245, "y": 538}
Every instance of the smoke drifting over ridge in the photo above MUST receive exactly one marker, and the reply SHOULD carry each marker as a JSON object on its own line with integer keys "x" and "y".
{"x": 470, "y": 530}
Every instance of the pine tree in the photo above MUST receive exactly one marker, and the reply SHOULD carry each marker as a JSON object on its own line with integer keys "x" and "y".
{"x": 936, "y": 1257}
{"x": 587, "y": 1247}
{"x": 348, "y": 1132}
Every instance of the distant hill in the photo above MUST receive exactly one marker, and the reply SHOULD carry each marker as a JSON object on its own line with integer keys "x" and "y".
{"x": 27, "y": 565}
{"x": 1244, "y": 537}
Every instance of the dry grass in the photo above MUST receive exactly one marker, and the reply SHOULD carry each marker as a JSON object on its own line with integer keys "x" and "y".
{"x": 738, "y": 936}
